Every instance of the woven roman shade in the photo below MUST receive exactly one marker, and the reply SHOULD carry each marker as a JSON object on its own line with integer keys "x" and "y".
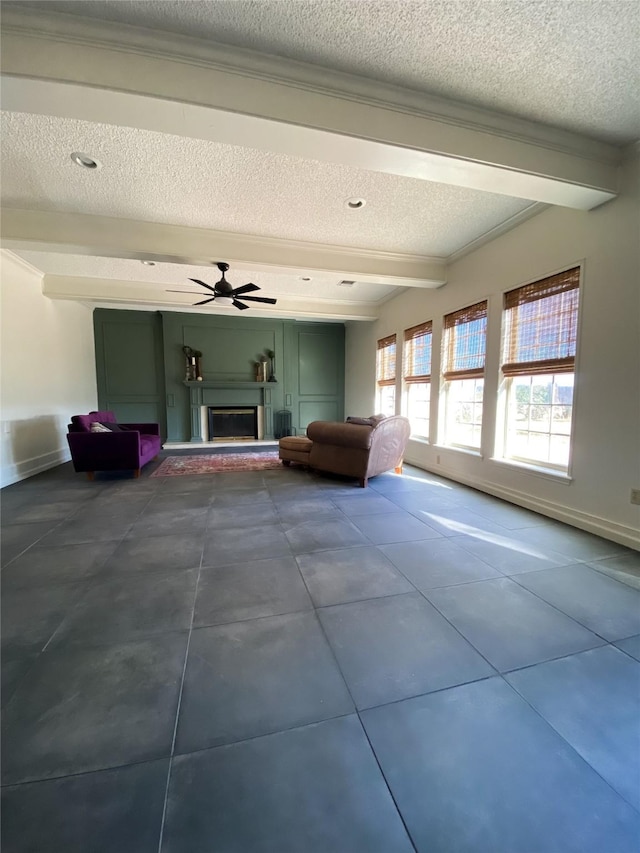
{"x": 541, "y": 326}
{"x": 417, "y": 353}
{"x": 465, "y": 340}
{"x": 386, "y": 361}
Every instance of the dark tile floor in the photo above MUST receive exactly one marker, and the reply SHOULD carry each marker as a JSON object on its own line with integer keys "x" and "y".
{"x": 279, "y": 661}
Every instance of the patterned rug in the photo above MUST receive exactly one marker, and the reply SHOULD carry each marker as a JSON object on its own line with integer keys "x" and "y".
{"x": 218, "y": 463}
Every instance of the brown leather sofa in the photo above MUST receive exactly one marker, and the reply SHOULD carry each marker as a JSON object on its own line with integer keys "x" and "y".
{"x": 358, "y": 449}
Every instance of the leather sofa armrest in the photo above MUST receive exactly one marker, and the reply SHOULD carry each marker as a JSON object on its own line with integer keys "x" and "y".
{"x": 342, "y": 435}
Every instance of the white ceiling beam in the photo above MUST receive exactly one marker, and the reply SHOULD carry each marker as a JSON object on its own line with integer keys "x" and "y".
{"x": 109, "y": 237}
{"x": 186, "y": 94}
{"x": 111, "y": 293}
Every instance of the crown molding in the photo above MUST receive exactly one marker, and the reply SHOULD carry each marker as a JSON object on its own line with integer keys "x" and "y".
{"x": 502, "y": 228}
{"x": 7, "y": 254}
{"x": 125, "y": 38}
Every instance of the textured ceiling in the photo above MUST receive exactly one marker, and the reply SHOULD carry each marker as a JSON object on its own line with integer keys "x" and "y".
{"x": 157, "y": 177}
{"x": 568, "y": 64}
{"x": 526, "y": 58}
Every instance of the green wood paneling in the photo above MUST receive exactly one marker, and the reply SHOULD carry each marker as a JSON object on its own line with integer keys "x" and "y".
{"x": 130, "y": 365}
{"x": 140, "y": 364}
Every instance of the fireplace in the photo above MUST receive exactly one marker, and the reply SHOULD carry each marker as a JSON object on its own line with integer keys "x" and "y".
{"x": 238, "y": 423}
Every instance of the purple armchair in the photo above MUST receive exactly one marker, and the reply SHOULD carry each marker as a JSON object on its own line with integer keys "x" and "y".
{"x": 128, "y": 448}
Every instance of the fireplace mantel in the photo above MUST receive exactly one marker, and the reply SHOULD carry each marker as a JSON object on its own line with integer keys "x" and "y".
{"x": 208, "y": 393}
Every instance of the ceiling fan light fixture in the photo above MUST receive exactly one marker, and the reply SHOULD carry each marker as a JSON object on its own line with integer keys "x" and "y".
{"x": 225, "y": 301}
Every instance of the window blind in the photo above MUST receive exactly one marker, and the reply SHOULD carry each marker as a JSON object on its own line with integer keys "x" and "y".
{"x": 541, "y": 326}
{"x": 386, "y": 361}
{"x": 417, "y": 353}
{"x": 464, "y": 344}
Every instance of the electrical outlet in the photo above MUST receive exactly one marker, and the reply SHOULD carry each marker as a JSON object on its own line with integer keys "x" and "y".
{"x": 635, "y": 496}
{"x": 438, "y": 459}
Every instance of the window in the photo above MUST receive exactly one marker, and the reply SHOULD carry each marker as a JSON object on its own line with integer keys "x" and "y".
{"x": 386, "y": 376}
{"x": 463, "y": 352}
{"x": 417, "y": 377}
{"x": 538, "y": 364}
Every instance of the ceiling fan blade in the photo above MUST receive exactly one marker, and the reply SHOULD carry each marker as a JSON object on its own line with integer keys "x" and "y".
{"x": 184, "y": 291}
{"x": 246, "y": 288}
{"x": 204, "y": 301}
{"x": 240, "y": 305}
{"x": 260, "y": 299}
{"x": 208, "y": 286}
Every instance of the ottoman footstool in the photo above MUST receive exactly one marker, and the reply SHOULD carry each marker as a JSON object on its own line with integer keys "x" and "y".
{"x": 294, "y": 448}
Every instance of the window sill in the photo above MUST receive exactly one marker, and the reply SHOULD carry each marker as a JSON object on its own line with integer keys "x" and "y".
{"x": 537, "y": 470}
{"x": 420, "y": 439}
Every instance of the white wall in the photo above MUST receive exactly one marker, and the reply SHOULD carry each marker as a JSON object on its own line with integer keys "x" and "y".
{"x": 47, "y": 371}
{"x": 606, "y": 448}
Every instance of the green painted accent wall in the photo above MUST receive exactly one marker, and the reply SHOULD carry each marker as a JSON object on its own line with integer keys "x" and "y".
{"x": 129, "y": 365}
{"x": 141, "y": 351}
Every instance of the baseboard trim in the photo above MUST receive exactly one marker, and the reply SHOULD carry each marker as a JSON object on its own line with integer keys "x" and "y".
{"x": 18, "y": 471}
{"x": 608, "y": 529}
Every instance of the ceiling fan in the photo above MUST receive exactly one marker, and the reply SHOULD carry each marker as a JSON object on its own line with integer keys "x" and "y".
{"x": 225, "y": 294}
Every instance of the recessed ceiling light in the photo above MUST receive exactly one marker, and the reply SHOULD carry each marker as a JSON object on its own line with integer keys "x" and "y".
{"x": 355, "y": 203}
{"x": 304, "y": 278}
{"x": 148, "y": 263}
{"x": 84, "y": 160}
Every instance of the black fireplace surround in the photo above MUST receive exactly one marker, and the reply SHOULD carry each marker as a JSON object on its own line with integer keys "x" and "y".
{"x": 232, "y": 422}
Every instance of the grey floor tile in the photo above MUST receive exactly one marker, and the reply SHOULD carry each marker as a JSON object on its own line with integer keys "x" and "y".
{"x": 394, "y": 527}
{"x": 511, "y": 555}
{"x": 476, "y": 769}
{"x": 366, "y": 503}
{"x": 240, "y": 497}
{"x": 241, "y": 516}
{"x": 250, "y": 590}
{"x": 603, "y": 605}
{"x": 459, "y": 521}
{"x": 76, "y": 531}
{"x": 509, "y": 516}
{"x": 510, "y": 626}
{"x": 593, "y": 701}
{"x": 31, "y": 616}
{"x": 16, "y": 538}
{"x": 174, "y": 551}
{"x": 322, "y": 535}
{"x": 437, "y": 562}
{"x": 161, "y": 522}
{"x": 251, "y": 678}
{"x": 350, "y": 574}
{"x": 100, "y": 812}
{"x": 293, "y": 512}
{"x": 65, "y": 564}
{"x": 223, "y": 547}
{"x": 315, "y": 789}
{"x": 124, "y": 608}
{"x": 396, "y": 647}
{"x": 53, "y": 510}
{"x": 631, "y": 646}
{"x": 572, "y": 542}
{"x": 170, "y": 502}
{"x": 14, "y": 670}
{"x": 83, "y": 708}
{"x": 625, "y": 568}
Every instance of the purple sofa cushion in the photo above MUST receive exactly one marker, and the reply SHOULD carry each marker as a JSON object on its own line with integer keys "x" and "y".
{"x": 85, "y": 421}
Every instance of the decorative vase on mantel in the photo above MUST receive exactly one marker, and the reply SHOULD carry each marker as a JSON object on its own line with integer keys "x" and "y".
{"x": 272, "y": 366}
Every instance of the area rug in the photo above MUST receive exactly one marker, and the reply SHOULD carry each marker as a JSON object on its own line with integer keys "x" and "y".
{"x": 217, "y": 463}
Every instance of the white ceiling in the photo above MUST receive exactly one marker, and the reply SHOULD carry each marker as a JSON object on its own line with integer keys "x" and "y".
{"x": 551, "y": 69}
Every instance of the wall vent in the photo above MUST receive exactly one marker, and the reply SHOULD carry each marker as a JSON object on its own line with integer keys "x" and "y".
{"x": 346, "y": 283}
